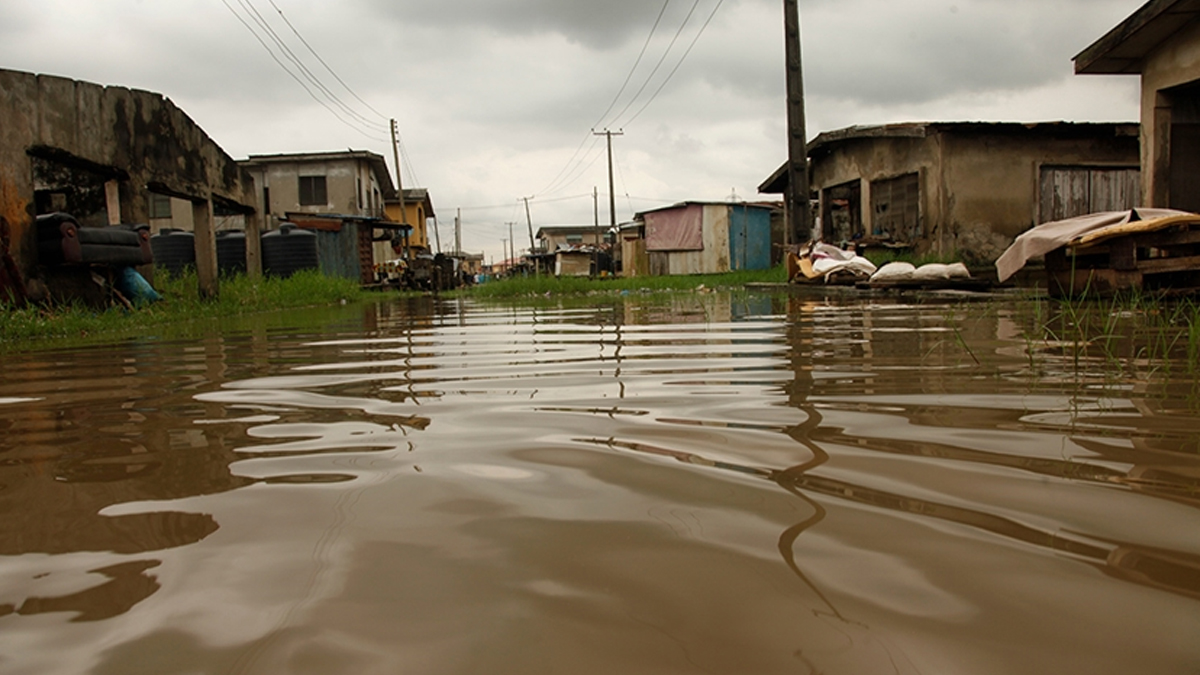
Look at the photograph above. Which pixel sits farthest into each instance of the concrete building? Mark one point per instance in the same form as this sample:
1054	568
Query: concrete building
1161	43
101	154
417	211
698	238
352	182
550	239
968	187
339	195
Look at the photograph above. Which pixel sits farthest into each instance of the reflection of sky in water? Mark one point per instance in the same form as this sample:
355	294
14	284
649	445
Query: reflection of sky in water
805	486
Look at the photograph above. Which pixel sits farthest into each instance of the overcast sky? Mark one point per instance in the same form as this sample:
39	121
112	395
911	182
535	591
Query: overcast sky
496	100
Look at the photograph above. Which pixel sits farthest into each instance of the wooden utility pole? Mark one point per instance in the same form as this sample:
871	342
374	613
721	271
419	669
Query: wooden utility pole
799	217
399	186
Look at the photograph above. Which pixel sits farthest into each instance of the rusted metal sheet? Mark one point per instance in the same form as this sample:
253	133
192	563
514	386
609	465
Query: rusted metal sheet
679	229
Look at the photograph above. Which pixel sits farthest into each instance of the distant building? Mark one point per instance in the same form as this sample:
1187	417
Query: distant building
969	187
418	210
550	239
1160	42
340	195
351	182
698	238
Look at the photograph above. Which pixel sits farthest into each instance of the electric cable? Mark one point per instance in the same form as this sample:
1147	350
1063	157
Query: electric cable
295	77
677	65
322	61
258	18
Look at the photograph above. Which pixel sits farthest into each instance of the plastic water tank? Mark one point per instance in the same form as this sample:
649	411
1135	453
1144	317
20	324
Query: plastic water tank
174	250
288	250
231	252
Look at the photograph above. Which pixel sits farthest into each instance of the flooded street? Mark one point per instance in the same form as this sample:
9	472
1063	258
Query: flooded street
701	483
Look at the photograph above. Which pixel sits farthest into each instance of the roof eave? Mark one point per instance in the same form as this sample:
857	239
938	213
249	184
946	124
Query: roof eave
1123	49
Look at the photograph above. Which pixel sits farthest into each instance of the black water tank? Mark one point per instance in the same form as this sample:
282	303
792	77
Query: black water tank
174	250
231	252
288	250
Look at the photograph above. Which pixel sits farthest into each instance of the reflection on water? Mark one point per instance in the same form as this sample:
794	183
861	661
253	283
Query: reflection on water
701	483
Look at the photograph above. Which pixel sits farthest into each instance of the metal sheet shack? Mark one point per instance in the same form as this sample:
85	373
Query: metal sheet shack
701	238
966	187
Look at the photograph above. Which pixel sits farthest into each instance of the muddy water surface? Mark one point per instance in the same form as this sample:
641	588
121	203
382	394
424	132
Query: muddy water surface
698	484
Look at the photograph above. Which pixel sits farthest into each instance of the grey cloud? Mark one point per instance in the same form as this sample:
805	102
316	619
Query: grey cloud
598	25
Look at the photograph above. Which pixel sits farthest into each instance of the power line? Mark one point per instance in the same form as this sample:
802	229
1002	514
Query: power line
635	65
318	57
661	59
308	74
677	65
352	123
570	166
567	175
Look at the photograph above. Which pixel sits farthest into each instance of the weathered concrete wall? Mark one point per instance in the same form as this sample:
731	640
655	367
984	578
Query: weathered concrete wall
994	182
872	159
139	139
979	184
1176	62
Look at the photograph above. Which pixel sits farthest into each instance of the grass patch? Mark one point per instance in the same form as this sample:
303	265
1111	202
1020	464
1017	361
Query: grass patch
1126	334
548	285
181	303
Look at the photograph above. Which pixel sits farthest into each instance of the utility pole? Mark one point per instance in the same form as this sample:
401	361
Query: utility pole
612	195
599	237
458	233
512	244
532	247
799	217
437	237
399	186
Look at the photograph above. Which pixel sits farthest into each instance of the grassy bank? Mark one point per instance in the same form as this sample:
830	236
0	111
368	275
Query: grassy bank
548	285
180	304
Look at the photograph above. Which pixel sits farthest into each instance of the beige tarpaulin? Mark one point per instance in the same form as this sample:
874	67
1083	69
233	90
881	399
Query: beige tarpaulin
1092	227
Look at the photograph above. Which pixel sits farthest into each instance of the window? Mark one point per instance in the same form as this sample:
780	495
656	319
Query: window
574	239
312	191
160	206
896	206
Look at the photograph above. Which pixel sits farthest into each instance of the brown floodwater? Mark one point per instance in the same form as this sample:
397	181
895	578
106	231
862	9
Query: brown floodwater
698	483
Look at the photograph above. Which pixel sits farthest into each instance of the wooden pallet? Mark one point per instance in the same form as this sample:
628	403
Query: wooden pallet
1161	260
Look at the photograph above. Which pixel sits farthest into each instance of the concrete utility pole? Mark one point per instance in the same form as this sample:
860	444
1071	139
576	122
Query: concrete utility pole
512	243
437	237
612	195
399	187
458	233
799	217
599	236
